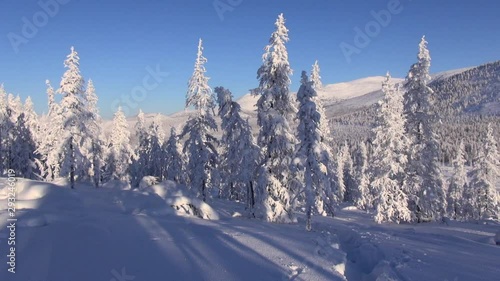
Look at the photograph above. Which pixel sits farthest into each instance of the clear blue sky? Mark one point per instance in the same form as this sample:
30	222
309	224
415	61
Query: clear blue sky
118	40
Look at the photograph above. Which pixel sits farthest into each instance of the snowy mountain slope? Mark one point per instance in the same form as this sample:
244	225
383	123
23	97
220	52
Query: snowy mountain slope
114	234
466	90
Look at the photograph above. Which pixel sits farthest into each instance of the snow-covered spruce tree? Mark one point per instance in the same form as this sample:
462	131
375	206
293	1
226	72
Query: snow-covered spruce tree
425	181
241	156
93	141
120	153
52	105
31	119
340	188
313	153
49	164
351	189
200	145
315	77
23	149
140	162
4	120
175	166
74	115
275	113
484	177
157	156
389	158
364	198
457	186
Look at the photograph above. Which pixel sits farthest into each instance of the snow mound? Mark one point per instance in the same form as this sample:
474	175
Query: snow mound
192	207
147	181
178	197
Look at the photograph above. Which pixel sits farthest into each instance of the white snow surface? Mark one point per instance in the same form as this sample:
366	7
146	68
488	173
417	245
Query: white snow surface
112	234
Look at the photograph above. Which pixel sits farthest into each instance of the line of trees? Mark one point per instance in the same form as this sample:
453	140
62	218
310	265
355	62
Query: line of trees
291	164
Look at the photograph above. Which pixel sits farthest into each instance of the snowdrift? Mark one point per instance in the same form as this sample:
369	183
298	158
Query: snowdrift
179	198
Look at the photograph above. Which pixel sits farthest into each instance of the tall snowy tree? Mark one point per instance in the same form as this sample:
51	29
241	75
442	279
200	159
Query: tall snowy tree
93	140
4	120
175	166
315	77
157	156
313	152
425	180
484	177
140	162
457	186
389	158
200	144
23	149
73	112
275	113
51	99
349	174
199	94
120	154
31	118
364	198
49	164
341	189
241	155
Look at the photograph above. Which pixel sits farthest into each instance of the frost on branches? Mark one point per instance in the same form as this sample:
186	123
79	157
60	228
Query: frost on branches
389	158
457	186
240	156
313	153
275	112
485	174
120	153
201	145
426	186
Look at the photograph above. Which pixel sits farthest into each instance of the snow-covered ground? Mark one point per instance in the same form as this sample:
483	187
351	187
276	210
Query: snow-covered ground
114	235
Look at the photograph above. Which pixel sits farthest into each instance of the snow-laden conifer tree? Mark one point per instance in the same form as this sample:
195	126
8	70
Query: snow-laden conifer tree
484	177
457	186
23	149
427	198
51	99
3	129
241	155
315	77
200	145
93	140
364	198
157	156
49	164
199	94
389	158
313	153
120	153
275	113
175	164
341	189
351	189
141	156
31	118
74	114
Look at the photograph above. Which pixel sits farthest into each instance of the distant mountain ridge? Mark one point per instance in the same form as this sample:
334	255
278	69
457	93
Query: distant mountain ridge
472	90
